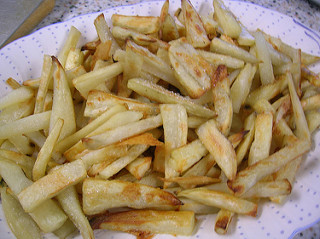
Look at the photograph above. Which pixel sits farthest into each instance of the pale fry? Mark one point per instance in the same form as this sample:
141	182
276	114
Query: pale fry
221	200
162	95
40	166
47	187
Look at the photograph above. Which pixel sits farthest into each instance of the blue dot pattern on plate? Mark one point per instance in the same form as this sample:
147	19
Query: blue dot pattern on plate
22	60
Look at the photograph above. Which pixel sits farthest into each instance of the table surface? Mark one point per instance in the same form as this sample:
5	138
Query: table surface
302	10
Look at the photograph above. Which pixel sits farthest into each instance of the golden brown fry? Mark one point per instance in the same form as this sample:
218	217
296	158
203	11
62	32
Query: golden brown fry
100	195
146	222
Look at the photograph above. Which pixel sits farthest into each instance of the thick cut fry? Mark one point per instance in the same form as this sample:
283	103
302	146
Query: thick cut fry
142	24
25	125
62	105
45	153
69	201
90	80
260	147
144	222
195	32
162	95
16	96
220	46
51	184
122	132
175	129
221	200
248	177
20	222
226	19
220	148
101	195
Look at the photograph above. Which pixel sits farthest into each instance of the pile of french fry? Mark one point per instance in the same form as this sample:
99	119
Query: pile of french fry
158	120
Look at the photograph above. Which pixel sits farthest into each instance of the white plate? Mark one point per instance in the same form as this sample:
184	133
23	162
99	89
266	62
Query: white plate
22	60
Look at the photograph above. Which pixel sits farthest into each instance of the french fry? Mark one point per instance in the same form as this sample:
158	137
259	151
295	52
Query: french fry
220	200
222	100
219	59
71	42
222	221
261	144
248	177
302	130
16	96
25	125
195	32
169	29
49	216
65	230
175	135
265	67
62	105
26	163
276	188
100	195
192	71
70	140
267	92
226	19
47	187
45	80
20	222
98	102
220	46
241	86
104	33
142	24
150	221
182	158
219	146
69	201
44	155
139	166
122	132
160	94
90	80
113	168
